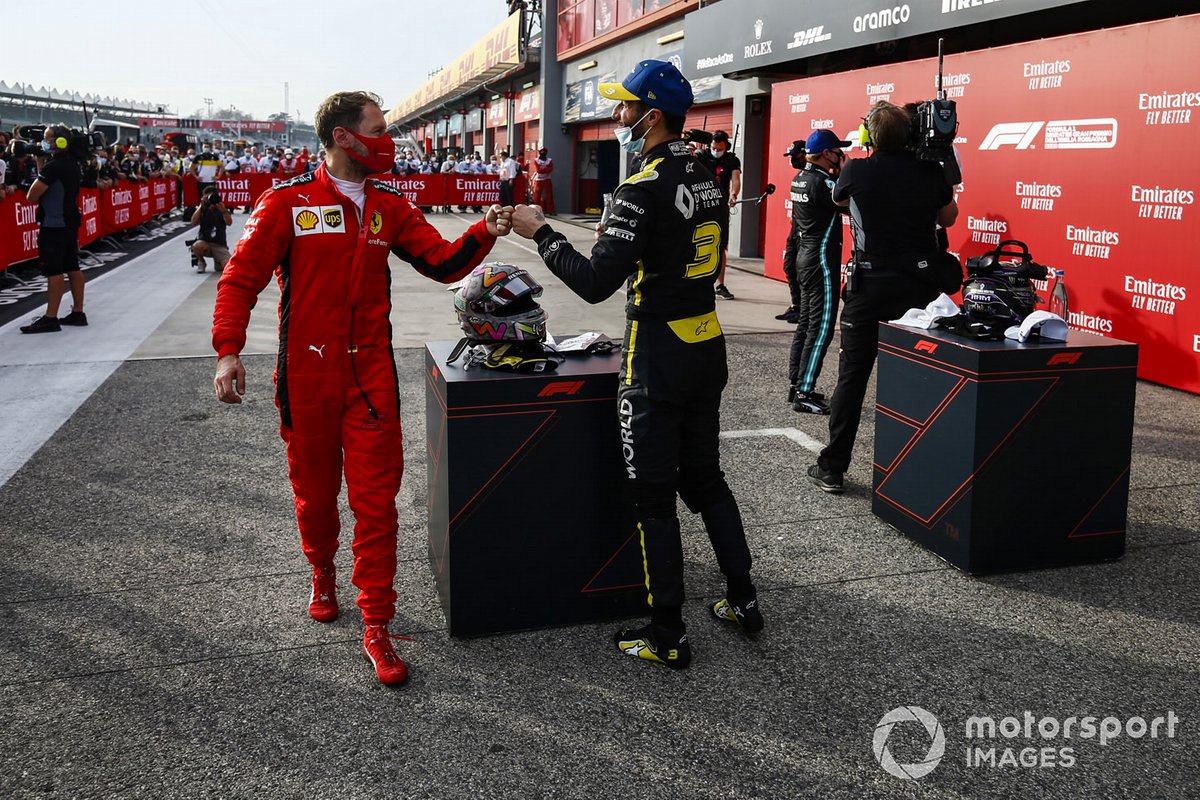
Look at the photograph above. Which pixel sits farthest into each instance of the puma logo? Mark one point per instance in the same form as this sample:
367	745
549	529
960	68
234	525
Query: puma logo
304	197
318	350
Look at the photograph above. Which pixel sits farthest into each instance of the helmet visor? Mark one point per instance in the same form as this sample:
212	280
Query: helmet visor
512	290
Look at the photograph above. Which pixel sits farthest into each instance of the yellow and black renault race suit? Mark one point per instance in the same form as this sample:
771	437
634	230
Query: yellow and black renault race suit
663	240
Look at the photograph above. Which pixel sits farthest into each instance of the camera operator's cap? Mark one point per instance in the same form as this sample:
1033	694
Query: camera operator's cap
796	148
658	84
823	139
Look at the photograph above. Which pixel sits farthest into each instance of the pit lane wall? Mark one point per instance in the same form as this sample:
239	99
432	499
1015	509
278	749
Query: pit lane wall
1081	146
104	211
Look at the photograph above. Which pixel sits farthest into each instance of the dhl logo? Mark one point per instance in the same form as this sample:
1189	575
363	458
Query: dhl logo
1063	358
926	346
307	220
560	387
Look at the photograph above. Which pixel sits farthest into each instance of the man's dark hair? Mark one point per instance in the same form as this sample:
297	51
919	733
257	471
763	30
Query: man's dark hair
210	190
342	110
720	136
889	127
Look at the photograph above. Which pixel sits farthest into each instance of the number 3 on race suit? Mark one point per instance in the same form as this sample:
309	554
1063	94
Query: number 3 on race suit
707	239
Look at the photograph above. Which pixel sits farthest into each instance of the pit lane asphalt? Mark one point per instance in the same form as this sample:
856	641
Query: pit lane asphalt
153	639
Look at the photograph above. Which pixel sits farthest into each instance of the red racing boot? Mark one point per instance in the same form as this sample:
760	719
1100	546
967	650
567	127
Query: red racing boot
322	604
377	649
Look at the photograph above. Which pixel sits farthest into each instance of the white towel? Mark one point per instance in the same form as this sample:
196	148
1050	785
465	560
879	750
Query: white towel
941	308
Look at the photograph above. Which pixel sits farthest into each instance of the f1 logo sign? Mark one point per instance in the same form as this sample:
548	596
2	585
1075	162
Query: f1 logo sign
926	346
560	387
1063	358
1015	133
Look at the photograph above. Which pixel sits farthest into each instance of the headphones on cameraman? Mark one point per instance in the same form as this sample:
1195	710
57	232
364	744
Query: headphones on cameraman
864	135
60	141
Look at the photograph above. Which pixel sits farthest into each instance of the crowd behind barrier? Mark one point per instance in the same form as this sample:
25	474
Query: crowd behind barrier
127	204
431	190
121	207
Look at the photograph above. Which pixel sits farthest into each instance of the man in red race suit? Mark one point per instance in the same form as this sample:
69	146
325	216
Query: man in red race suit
326	235
543	184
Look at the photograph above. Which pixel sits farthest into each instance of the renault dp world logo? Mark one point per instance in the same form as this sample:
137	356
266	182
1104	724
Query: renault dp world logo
909	720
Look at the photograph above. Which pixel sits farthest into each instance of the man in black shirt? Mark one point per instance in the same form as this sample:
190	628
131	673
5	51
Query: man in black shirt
728	169
813	259
896	203
213	217
55	192
663	239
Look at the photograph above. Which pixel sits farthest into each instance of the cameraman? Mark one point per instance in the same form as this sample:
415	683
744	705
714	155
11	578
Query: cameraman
55	191
212	216
895	202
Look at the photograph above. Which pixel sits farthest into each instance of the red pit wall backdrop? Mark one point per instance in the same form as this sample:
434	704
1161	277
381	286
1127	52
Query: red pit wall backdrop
1077	146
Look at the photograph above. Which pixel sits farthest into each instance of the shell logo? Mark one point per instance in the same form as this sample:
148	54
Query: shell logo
376	222
307	220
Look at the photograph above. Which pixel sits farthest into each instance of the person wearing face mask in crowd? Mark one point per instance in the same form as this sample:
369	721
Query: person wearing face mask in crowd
330	234
728	169
812	262
207	168
131	165
674	368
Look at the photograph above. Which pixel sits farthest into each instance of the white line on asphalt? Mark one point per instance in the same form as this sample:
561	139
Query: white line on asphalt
798	436
47	377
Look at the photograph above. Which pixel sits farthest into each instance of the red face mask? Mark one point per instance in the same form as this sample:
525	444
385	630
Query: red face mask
381	152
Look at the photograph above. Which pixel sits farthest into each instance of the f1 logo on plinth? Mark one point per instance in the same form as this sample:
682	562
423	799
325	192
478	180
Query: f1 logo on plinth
1063	358
926	346
560	387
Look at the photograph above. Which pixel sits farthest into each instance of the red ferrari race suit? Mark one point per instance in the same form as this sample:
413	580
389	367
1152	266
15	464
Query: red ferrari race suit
335	377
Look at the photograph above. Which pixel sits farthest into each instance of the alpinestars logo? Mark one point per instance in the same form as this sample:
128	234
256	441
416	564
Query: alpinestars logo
809	36
1064	134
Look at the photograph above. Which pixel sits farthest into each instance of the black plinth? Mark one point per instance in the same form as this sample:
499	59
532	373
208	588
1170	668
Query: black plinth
529	525
1005	456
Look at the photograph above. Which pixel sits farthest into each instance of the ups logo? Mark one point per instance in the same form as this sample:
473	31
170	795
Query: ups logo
333	217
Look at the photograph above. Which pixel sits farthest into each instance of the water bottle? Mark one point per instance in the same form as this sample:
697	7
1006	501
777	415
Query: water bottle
1058	296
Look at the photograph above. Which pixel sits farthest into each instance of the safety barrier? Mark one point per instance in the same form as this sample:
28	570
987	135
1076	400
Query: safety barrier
104	211
423	190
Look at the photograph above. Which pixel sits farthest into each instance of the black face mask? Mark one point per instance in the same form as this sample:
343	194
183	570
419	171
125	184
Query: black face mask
798	162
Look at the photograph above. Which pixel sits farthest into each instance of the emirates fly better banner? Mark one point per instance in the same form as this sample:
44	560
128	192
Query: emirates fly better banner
1080	146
